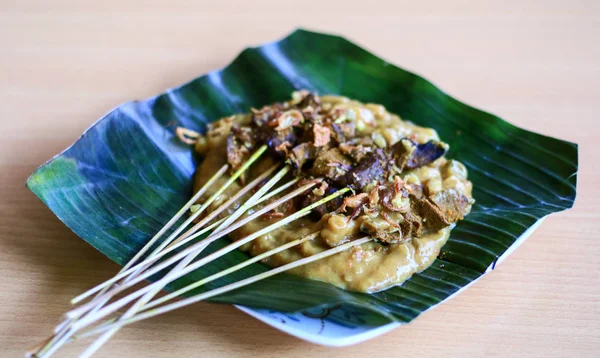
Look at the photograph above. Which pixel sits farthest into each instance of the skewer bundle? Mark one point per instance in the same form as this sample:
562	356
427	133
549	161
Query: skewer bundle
96	311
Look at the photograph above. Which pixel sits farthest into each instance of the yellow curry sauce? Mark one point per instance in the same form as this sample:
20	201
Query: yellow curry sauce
372	266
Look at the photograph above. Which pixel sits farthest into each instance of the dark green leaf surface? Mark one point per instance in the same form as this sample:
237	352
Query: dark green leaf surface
128	175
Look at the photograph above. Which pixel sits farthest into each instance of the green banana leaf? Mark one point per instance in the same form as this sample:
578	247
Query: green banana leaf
128	174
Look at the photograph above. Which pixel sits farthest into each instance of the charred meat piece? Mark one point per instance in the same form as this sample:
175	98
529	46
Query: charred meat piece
341	132
243	134
220	129
403	151
237	153
317	194
411	155
279	137
370	169
412	225
239	144
332	164
301	154
335	203
337	134
443	208
348	129
383	230
357	148
391	227
356	152
261	117
316	134
452	203
278	141
427	153
310	100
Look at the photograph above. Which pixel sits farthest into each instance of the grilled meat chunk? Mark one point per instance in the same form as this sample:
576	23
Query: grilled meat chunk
331	164
411	155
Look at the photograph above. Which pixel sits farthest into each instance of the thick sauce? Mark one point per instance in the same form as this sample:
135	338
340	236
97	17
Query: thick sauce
367	268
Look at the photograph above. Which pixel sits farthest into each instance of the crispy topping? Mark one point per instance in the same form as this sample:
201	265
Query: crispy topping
320	191
322	135
354	201
287	120
187	136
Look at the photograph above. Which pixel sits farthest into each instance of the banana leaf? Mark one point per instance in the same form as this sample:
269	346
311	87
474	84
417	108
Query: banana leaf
128	174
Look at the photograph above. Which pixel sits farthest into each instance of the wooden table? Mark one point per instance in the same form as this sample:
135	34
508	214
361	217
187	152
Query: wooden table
535	63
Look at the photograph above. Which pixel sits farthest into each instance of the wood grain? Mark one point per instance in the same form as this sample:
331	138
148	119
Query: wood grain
64	63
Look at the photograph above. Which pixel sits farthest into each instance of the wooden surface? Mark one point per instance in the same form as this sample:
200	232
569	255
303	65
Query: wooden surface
535	63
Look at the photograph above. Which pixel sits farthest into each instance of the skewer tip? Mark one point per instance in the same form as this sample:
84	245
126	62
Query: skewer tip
71	315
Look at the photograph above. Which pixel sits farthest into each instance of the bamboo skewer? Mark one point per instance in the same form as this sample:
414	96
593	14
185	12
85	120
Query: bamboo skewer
207	219
182	266
101	300
190	249
182	269
230	181
63	326
230	201
176	244
224	289
172	243
185	261
220	274
170	246
178	270
218	222
228	271
125	300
